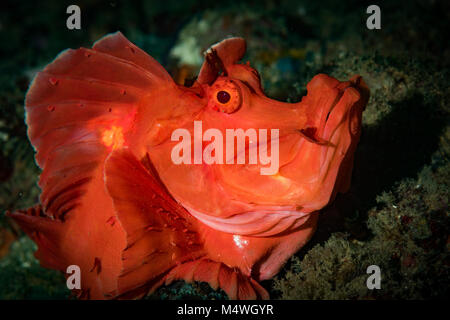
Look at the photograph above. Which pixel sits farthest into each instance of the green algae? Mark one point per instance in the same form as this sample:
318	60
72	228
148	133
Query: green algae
409	243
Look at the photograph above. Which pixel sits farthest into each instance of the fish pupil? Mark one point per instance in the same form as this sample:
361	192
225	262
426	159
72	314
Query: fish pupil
223	96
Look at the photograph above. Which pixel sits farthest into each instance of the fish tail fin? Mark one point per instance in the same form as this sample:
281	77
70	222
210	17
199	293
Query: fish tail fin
236	285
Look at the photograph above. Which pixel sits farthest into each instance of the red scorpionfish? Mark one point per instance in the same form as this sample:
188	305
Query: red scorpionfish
115	204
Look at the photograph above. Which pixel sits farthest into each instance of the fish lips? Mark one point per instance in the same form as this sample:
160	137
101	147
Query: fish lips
349	101
341	132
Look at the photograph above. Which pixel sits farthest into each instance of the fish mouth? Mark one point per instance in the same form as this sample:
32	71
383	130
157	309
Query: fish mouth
340	133
323	161
349	103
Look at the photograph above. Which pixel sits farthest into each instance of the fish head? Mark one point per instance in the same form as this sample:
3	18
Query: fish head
295	156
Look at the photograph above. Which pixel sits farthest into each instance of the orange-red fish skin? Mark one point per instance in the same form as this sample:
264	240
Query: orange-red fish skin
114	204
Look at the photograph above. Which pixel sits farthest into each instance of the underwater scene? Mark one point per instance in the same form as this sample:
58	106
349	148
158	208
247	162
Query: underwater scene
213	150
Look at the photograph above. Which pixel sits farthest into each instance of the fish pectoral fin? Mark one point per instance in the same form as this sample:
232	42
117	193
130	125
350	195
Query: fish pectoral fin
45	232
160	233
235	284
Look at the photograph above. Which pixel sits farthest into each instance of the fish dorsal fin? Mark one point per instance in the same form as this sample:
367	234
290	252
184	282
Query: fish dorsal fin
117	45
81	105
78	110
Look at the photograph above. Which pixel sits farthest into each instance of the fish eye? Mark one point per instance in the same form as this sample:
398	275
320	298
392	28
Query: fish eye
225	95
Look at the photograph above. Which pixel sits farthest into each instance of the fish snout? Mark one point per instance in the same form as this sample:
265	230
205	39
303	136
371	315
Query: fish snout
333	105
